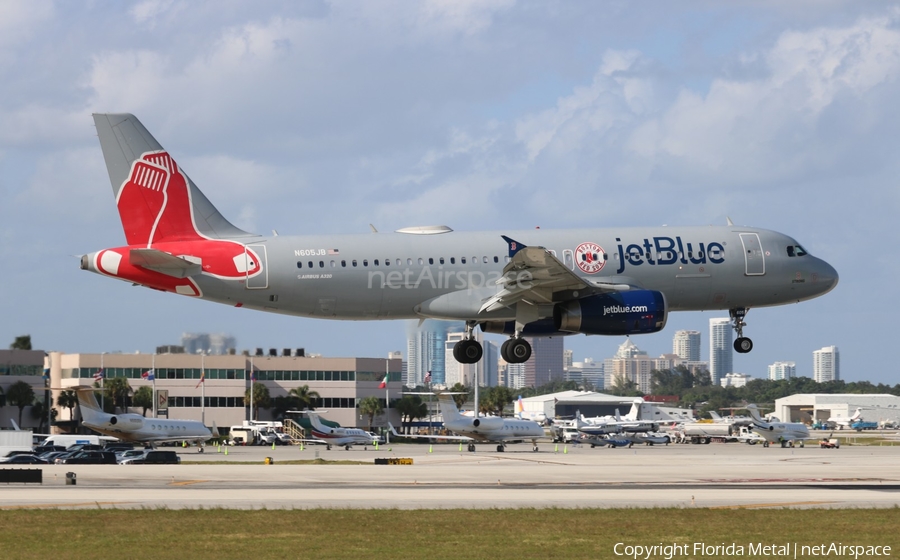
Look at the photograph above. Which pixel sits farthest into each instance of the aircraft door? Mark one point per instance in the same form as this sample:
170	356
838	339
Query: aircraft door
754	260
256	280
569	259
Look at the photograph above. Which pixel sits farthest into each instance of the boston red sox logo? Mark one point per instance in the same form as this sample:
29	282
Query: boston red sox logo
590	257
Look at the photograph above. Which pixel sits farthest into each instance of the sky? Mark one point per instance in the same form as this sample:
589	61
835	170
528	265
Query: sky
324	117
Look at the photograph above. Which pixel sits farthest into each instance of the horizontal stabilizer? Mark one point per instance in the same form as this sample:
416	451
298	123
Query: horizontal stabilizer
166	263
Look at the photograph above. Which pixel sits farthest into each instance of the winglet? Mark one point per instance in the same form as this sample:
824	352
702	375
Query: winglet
514	246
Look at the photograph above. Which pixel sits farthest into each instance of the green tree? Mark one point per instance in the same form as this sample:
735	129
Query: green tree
261	398
370	406
460	399
410	407
495	400
21	343
20	394
143	399
305	399
117	390
68	399
39	412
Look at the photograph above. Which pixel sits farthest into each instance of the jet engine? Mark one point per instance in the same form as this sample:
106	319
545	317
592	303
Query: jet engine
631	312
487	424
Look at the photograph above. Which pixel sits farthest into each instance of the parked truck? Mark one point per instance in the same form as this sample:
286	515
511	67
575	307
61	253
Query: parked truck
704	432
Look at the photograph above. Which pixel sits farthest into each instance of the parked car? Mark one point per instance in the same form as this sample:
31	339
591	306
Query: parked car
153	457
24	460
91	458
129	454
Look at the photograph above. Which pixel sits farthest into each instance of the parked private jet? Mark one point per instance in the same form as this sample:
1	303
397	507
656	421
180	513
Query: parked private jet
785	433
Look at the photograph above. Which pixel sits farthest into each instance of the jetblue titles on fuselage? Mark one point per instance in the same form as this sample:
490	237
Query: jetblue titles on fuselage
669	250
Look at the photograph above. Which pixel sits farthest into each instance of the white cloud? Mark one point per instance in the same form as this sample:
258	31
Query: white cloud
20	20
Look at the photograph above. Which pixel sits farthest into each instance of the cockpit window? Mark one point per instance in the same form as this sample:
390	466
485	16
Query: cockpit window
795	251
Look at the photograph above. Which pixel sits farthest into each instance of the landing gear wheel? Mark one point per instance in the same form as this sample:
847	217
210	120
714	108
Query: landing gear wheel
518	351
346	448
500	449
468	351
535	448
471	447
504	350
742	345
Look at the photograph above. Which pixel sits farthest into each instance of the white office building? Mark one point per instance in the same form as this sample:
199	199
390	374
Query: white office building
720	348
686	344
827	364
782	370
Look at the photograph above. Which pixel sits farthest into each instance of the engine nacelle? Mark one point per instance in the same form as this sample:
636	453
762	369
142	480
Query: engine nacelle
631	312
487	423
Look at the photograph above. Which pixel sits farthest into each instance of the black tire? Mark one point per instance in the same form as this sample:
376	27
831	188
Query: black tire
742	345
519	351
468	351
504	350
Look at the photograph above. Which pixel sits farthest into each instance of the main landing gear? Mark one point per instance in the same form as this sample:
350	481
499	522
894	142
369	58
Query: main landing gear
516	350
468	350
742	344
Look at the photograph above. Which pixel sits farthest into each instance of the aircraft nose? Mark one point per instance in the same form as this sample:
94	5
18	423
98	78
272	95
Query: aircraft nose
825	277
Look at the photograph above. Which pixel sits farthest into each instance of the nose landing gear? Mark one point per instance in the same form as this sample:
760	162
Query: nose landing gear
742	344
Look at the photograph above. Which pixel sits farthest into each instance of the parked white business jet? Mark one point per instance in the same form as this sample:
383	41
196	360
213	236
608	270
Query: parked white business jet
841	422
785	433
342	437
607	281
136	428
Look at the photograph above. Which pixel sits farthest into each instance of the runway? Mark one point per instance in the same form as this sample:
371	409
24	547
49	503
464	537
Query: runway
714	475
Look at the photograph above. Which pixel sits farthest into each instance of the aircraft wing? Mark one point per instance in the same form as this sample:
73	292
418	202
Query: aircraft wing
533	275
417	436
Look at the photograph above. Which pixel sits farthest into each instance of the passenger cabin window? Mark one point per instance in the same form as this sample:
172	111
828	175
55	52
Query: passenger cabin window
421	262
408	262
343	264
310	264
321	264
496	259
442	260
387	262
299	264
430	260
375	262
462	260
354	263
452	260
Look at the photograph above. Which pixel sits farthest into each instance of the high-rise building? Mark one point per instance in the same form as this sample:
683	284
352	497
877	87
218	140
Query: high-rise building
630	365
827	364
782	370
687	345
207	343
567	358
515	376
546	361
720	348
425	352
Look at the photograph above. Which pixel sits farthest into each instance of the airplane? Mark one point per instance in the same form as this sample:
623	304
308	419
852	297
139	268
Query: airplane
482	428
606	281
136	428
841	422
785	433
735	420
342	437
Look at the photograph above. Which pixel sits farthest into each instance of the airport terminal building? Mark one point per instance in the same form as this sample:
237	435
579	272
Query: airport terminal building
212	388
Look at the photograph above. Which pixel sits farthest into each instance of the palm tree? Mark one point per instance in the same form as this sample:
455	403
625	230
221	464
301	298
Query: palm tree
20	394
117	390
460	399
143	398
261	398
39	411
21	343
370	406
306	398
410	407
68	399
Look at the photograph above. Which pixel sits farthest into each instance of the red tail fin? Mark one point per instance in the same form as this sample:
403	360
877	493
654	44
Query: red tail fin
154	202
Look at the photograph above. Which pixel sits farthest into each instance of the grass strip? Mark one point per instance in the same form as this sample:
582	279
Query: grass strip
218	534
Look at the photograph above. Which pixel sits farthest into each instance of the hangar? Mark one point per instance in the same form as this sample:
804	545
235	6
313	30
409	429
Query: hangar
567	404
818	407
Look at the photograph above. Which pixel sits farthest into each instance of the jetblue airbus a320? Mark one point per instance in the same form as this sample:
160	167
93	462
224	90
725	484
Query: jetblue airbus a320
612	281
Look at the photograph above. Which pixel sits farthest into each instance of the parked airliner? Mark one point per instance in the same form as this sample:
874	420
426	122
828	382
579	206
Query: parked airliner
609	281
136	428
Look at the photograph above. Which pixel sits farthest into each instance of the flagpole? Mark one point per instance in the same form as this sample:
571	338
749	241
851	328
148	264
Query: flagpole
102	377
153	369
251	388
202	389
